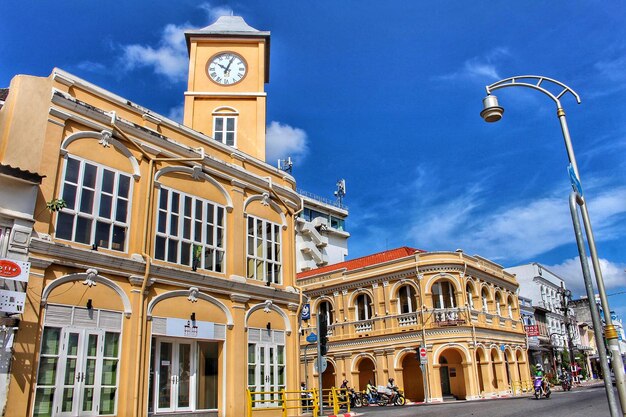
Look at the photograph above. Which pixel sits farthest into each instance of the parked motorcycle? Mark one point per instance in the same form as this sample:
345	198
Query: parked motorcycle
542	388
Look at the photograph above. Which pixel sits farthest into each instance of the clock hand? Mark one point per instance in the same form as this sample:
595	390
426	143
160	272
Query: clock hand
231	61
225	68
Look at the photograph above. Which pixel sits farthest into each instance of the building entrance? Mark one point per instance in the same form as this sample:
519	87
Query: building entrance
185	375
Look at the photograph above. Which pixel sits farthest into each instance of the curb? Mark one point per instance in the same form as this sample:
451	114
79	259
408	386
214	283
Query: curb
350	414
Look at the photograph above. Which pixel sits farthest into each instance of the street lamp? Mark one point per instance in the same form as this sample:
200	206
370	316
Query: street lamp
492	112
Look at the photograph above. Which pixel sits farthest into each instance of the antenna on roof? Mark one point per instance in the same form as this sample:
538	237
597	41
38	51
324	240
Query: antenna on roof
285	164
341	191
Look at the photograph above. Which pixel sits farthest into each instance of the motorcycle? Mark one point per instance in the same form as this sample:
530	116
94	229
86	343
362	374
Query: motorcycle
566	384
542	388
395	397
356	399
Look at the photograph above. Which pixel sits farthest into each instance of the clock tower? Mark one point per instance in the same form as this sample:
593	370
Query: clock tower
225	97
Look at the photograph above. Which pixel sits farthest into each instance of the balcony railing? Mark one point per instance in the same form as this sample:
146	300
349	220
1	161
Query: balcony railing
449	316
408	319
363	326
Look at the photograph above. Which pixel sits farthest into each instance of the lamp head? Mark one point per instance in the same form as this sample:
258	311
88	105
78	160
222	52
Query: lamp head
492	112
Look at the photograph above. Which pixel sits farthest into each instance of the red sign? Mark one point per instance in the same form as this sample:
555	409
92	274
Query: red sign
532	330
9	269
423	352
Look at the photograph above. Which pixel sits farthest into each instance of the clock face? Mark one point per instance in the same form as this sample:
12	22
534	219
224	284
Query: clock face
227	68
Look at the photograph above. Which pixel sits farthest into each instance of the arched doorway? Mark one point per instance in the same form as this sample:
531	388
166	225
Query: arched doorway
412	379
522	368
367	372
480	365
495	361
328	377
452	375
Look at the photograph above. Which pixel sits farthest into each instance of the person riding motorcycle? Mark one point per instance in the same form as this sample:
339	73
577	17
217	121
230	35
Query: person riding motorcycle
392	389
370	392
540	374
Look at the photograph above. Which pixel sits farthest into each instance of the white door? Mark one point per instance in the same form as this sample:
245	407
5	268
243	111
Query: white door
80	365
174	375
268	368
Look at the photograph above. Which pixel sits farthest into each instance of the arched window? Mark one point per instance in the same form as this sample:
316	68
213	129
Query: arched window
443	295
469	289
498	304
225	126
326	309
407	300
485	299
509	303
363	307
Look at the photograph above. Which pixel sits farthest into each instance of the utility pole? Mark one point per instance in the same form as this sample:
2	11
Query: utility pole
566	296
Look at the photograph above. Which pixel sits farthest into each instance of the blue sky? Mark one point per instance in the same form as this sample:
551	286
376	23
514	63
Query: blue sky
387	95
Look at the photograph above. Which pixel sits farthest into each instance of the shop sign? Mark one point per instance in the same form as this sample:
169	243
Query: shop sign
14	270
532	330
12	302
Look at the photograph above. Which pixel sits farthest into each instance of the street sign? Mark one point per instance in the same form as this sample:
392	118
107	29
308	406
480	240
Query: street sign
311	338
324	364
423	355
306	311
575	180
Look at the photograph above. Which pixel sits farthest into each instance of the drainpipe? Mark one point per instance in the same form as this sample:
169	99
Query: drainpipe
422	313
144	247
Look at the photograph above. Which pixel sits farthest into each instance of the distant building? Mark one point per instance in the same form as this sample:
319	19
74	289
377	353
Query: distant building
321	236
545	289
588	344
463	309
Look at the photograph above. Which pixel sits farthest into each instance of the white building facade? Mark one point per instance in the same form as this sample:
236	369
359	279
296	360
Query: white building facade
545	291
321	237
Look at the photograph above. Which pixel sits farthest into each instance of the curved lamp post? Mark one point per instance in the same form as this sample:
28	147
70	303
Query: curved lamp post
492	112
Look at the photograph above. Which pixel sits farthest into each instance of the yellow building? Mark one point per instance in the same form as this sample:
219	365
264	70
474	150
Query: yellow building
381	307
162	278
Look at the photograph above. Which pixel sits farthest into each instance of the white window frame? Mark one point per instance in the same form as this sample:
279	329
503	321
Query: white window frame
225	117
262	242
94	217
265	369
78	379
5	235
438	290
367	307
411	295
485	300
180	217
328	312
470	297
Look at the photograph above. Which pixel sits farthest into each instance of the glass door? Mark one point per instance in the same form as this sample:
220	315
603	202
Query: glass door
173	376
268	369
79	365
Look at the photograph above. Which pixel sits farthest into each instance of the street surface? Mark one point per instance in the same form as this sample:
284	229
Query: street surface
580	402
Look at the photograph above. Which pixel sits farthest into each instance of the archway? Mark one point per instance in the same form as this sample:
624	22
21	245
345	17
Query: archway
521	366
412	379
328	377
452	375
480	364
496	378
367	372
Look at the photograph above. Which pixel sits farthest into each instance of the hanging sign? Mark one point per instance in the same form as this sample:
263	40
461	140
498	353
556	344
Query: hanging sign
14	270
306	311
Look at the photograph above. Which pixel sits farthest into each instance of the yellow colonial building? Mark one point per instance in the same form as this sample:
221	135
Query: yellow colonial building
162	257
380	308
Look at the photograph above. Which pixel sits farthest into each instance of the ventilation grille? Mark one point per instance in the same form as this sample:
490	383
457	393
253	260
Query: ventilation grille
60	315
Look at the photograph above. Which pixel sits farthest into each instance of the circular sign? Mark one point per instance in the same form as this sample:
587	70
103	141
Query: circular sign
9	269
324	364
423	352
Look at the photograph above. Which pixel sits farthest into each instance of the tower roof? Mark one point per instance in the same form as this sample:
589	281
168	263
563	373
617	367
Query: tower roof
232	27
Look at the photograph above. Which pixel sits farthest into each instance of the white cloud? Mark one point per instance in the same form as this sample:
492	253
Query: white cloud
169	56
283	141
177	113
484	66
91	66
613	274
474	221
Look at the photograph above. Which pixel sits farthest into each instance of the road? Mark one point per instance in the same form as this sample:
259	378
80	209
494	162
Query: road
580	402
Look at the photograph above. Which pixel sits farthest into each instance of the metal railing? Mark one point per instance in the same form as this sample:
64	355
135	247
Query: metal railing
305	401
